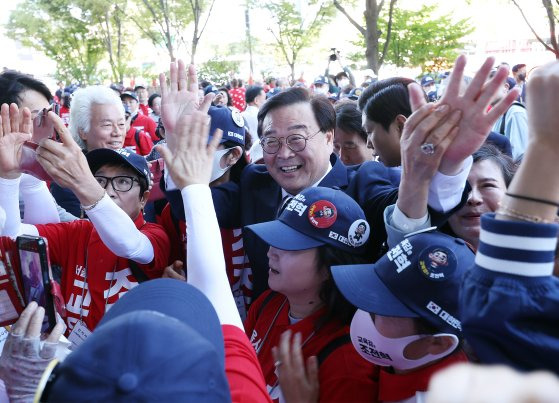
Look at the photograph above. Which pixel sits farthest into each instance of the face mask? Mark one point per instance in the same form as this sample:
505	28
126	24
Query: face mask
343	83
522	76
321	90
217	170
386	351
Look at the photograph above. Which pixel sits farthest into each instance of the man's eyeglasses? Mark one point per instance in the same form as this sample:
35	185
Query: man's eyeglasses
119	183
295	142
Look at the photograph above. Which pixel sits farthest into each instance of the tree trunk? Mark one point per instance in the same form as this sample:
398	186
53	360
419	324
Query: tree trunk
292	66
372	36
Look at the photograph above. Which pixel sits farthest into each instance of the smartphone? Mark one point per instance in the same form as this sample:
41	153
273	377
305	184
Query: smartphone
36	276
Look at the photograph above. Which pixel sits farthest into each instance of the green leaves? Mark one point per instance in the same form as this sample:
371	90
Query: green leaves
59	30
296	26
420	37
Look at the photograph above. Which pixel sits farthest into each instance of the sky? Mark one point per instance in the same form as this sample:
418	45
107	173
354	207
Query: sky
499	30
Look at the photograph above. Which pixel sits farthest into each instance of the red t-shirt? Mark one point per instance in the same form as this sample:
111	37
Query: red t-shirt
244	374
238	98
146	124
396	387
144	109
145	146
237	265
108	276
343	375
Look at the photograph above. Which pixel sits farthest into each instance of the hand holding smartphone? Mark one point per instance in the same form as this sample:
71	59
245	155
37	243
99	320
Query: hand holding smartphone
37	276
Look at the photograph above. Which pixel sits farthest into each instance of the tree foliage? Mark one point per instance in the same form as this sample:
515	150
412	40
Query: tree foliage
110	20
163	22
293	28
58	30
218	71
371	33
421	40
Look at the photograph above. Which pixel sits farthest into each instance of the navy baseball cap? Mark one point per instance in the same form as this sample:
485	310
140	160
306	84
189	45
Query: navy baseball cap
317	216
162	341
102	156
210	88
130	94
230	122
427	80
418	278
355	93
321	80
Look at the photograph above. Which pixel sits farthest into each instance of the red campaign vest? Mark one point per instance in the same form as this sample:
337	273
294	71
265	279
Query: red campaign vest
343	376
146	124
108	277
145	144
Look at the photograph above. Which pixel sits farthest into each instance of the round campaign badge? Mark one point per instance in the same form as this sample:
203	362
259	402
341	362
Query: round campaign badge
437	263
358	233
237	118
322	214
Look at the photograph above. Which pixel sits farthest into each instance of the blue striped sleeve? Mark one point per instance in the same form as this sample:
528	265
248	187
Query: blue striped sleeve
519	248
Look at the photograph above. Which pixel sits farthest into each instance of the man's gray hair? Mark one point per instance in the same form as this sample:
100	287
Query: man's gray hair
80	111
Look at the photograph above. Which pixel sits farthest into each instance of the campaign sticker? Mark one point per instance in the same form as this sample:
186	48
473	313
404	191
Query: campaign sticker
358	233
237	118
437	263
322	214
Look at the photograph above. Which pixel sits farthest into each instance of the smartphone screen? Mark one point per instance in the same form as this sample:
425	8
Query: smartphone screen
35	275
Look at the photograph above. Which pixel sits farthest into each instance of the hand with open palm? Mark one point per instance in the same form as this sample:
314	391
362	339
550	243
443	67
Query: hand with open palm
15	128
180	97
476	120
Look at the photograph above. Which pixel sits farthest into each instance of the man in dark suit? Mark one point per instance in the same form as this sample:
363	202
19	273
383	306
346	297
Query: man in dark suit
297	135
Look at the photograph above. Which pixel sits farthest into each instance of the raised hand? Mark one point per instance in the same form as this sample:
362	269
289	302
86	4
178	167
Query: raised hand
180	97
15	128
476	121
299	382
67	165
189	161
431	124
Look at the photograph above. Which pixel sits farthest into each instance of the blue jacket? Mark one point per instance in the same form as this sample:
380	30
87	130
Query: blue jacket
510	299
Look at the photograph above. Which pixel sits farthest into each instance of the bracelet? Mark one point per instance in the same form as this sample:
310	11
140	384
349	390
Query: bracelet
551	203
92	206
509	212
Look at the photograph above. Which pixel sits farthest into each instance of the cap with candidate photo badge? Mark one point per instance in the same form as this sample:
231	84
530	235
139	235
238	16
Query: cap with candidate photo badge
418	278
230	122
317	216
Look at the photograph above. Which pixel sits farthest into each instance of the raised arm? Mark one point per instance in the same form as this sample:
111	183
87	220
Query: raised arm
512	282
15	129
189	164
67	165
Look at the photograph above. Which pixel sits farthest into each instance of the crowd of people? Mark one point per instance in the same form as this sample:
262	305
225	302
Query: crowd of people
290	244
